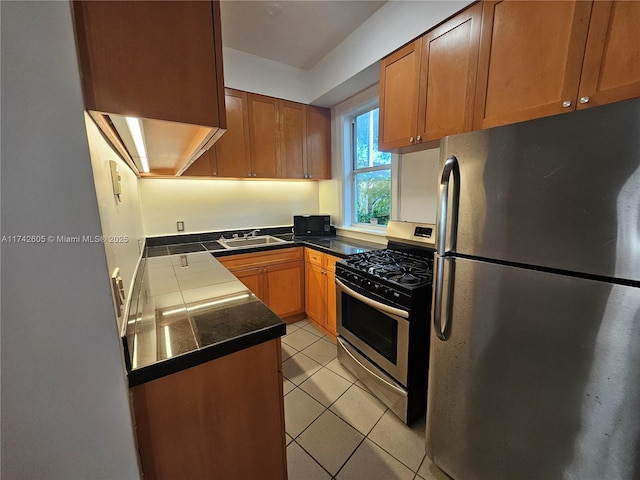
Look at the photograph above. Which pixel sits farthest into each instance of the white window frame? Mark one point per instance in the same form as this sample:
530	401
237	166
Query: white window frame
353	171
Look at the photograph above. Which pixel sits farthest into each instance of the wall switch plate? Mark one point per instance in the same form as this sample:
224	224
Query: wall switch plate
180	225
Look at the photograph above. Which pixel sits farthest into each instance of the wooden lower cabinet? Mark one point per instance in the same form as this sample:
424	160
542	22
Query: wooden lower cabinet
320	290
221	419
276	278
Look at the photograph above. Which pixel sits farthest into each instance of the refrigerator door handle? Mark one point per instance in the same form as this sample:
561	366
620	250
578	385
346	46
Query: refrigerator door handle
442	296
445	216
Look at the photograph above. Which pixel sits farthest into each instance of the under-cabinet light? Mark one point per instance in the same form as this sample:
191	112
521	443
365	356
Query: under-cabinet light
205	305
167	342
135	127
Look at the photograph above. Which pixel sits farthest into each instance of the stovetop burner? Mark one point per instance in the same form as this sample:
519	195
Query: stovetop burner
393	265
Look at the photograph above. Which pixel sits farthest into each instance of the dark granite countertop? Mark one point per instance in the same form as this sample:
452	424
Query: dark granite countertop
189	309
333	245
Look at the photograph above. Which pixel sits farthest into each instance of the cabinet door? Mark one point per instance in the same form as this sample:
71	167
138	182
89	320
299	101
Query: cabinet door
263	136
399	79
448	76
530	59
205	166
253	280
315	293
125	48
318	143
611	70
293	147
285	288
233	147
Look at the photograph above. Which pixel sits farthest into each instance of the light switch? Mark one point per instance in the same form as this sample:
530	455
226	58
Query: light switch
116	180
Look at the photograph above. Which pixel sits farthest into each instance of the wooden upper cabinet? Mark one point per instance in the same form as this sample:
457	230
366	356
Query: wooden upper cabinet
293	148
318	127
233	148
611	70
205	166
530	59
263	136
448	76
160	61
427	88
399	79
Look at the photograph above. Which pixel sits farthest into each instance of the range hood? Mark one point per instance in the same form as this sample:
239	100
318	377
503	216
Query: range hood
170	147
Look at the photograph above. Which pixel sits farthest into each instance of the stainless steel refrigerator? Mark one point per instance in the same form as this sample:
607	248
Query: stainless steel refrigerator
535	347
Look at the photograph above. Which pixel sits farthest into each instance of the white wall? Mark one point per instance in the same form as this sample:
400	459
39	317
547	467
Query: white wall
251	73
390	27
418	196
119	219
208	205
348	68
65	410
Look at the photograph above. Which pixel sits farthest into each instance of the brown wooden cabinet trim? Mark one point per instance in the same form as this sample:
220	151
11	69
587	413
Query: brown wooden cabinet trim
393	111
220	419
428	100
570	77
601	29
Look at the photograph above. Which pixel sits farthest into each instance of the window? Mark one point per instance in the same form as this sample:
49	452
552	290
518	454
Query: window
370	172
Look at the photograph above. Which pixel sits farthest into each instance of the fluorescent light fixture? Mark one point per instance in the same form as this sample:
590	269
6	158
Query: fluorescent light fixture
135	127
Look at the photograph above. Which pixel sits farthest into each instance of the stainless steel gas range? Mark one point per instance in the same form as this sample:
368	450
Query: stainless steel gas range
383	316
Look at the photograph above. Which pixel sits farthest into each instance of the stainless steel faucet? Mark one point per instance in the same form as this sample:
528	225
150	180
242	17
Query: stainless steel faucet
252	233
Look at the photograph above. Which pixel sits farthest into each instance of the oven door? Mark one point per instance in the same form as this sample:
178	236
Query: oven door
379	331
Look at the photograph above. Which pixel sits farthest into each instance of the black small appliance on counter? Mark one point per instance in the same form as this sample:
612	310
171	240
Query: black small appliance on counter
312	225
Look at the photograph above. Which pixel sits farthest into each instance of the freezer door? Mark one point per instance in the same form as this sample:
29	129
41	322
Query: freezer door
537	377
561	192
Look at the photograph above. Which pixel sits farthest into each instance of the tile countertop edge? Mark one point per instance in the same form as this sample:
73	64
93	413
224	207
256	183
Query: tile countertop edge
337	246
197	357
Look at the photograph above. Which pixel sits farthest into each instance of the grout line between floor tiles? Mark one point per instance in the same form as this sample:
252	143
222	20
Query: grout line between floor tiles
313	458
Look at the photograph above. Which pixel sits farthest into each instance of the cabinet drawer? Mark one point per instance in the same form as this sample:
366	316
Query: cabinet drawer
313	256
258	259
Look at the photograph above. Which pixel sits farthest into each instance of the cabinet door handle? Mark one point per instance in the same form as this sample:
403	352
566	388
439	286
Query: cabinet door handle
566	103
411	140
419	139
584	99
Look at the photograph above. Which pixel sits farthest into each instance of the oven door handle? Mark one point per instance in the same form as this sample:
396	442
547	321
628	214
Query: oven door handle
372	303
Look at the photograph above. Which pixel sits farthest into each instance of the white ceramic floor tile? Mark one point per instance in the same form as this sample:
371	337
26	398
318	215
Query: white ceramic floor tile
300	339
404	443
336	367
325	386
330	441
287	386
299	367
428	471
311	328
299	411
321	351
292	327
359	408
372	463
287	351
300	466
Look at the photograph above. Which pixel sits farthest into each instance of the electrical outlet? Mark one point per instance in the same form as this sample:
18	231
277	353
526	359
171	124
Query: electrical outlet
180	225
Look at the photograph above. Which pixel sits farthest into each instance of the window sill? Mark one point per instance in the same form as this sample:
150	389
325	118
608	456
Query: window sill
371	234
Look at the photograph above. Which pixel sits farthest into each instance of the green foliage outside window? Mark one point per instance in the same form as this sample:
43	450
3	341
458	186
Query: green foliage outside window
372	172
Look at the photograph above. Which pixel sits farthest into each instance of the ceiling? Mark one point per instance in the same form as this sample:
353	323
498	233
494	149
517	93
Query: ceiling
297	33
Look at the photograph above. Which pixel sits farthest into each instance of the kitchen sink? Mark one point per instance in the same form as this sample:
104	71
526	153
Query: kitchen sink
259	241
